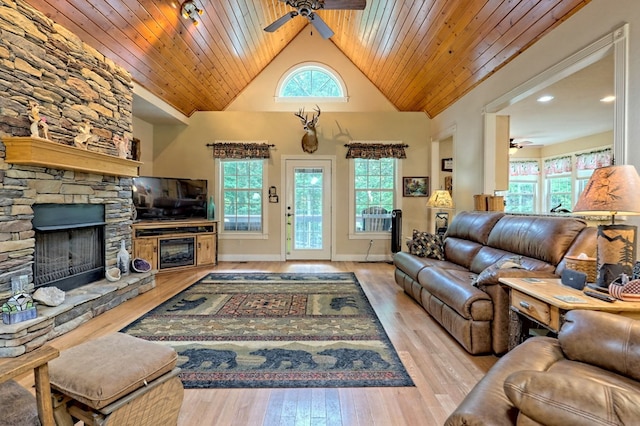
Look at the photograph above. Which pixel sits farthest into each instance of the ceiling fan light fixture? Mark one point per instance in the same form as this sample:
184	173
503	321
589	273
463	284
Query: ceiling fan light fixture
307	8
189	10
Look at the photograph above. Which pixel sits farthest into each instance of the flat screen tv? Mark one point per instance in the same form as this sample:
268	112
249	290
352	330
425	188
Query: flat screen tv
160	198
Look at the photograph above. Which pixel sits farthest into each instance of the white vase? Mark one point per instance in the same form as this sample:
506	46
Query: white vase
123	259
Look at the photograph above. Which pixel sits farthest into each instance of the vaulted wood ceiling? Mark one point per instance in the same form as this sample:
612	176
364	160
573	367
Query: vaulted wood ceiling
423	55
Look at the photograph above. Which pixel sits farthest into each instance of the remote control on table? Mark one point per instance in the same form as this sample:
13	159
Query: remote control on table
596	287
600	296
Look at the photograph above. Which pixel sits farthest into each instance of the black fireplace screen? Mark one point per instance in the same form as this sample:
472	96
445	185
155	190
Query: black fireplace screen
66	253
70	245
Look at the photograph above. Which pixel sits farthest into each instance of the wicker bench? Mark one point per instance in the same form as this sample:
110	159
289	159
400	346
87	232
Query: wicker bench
118	380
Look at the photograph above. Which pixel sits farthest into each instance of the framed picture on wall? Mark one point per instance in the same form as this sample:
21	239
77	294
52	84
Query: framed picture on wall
415	186
447	165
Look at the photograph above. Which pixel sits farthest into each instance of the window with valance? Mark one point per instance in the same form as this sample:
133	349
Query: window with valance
524	168
376	151
240	150
594	159
558	165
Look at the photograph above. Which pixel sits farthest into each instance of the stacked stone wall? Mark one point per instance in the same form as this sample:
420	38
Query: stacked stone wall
43	62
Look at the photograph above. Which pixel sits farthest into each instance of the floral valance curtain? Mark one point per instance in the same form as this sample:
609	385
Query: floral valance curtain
524	168
240	149
376	151
554	166
594	159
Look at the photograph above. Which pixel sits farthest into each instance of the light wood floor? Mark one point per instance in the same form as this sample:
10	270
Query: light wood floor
442	371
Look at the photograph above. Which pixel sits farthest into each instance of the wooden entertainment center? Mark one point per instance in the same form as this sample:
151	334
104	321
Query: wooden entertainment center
176	244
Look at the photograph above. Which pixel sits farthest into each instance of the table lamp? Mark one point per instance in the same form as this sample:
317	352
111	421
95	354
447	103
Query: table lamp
441	199
611	191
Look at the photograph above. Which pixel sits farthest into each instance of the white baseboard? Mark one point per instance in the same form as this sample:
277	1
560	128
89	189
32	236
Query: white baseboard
277	258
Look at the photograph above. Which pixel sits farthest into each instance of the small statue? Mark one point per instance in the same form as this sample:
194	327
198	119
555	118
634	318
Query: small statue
84	137
37	122
123	145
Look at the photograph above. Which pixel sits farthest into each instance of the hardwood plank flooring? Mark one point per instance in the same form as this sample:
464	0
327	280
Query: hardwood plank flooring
442	371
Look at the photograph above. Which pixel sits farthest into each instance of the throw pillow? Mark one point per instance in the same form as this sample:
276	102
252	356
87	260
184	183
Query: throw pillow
426	244
491	271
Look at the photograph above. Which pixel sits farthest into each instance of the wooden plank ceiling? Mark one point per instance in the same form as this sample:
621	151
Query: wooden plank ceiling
423	55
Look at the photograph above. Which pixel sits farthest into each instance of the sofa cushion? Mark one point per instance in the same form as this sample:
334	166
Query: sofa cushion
473	226
426	244
453	287
101	371
461	252
595	338
564	399
488	256
544	238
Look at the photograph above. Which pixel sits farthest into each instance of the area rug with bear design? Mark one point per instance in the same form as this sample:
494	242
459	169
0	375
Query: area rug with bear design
274	330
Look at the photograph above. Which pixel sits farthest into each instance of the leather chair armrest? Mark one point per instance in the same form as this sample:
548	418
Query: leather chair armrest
564	399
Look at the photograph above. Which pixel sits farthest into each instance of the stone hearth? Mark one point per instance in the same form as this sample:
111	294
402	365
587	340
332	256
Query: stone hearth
80	305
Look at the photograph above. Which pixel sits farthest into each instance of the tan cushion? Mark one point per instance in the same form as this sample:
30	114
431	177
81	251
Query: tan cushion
101	371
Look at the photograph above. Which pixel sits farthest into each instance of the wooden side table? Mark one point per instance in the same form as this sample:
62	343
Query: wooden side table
545	302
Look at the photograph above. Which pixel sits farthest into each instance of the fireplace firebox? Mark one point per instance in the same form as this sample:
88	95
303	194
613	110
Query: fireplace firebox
177	252
70	244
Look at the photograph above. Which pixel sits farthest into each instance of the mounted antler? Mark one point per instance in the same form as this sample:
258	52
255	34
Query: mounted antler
310	139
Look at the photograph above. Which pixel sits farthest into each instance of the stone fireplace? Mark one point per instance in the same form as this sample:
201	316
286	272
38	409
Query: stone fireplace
36	190
74	86
64	227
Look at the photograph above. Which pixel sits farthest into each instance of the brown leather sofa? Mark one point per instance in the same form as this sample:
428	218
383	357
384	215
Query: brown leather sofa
589	375
477	316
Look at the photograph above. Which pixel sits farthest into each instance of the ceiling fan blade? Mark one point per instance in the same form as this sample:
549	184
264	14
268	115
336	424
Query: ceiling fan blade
344	4
320	25
280	22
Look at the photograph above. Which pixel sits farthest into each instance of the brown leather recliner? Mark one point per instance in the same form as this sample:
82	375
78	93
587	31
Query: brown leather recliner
590	374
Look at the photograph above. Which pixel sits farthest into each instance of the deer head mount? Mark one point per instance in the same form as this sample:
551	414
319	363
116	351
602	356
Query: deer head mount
310	139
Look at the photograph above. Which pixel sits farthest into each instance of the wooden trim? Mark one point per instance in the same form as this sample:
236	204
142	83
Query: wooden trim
45	153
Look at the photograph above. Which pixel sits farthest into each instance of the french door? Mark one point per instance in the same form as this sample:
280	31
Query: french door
308	209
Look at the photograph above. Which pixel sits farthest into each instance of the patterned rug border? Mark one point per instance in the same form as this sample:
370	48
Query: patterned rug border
394	375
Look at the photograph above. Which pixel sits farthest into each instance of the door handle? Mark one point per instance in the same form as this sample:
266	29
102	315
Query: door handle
289	214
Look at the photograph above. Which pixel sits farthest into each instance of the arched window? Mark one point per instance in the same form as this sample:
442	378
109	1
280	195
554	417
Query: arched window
311	81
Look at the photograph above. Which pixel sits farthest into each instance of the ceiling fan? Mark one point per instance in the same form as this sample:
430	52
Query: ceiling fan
519	145
307	8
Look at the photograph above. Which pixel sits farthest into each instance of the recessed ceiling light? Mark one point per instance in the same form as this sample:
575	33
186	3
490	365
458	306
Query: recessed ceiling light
545	98
608	99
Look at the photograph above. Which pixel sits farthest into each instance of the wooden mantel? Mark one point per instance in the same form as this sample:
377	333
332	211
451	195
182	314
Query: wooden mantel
40	152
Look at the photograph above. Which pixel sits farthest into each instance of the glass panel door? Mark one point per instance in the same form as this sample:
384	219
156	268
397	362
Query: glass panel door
308	209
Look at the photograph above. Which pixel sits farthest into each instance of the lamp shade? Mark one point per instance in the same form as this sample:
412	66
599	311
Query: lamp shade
610	191
440	199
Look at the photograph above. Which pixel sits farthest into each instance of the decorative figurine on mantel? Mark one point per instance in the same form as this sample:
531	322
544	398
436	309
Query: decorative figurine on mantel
84	137
123	145
37	121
